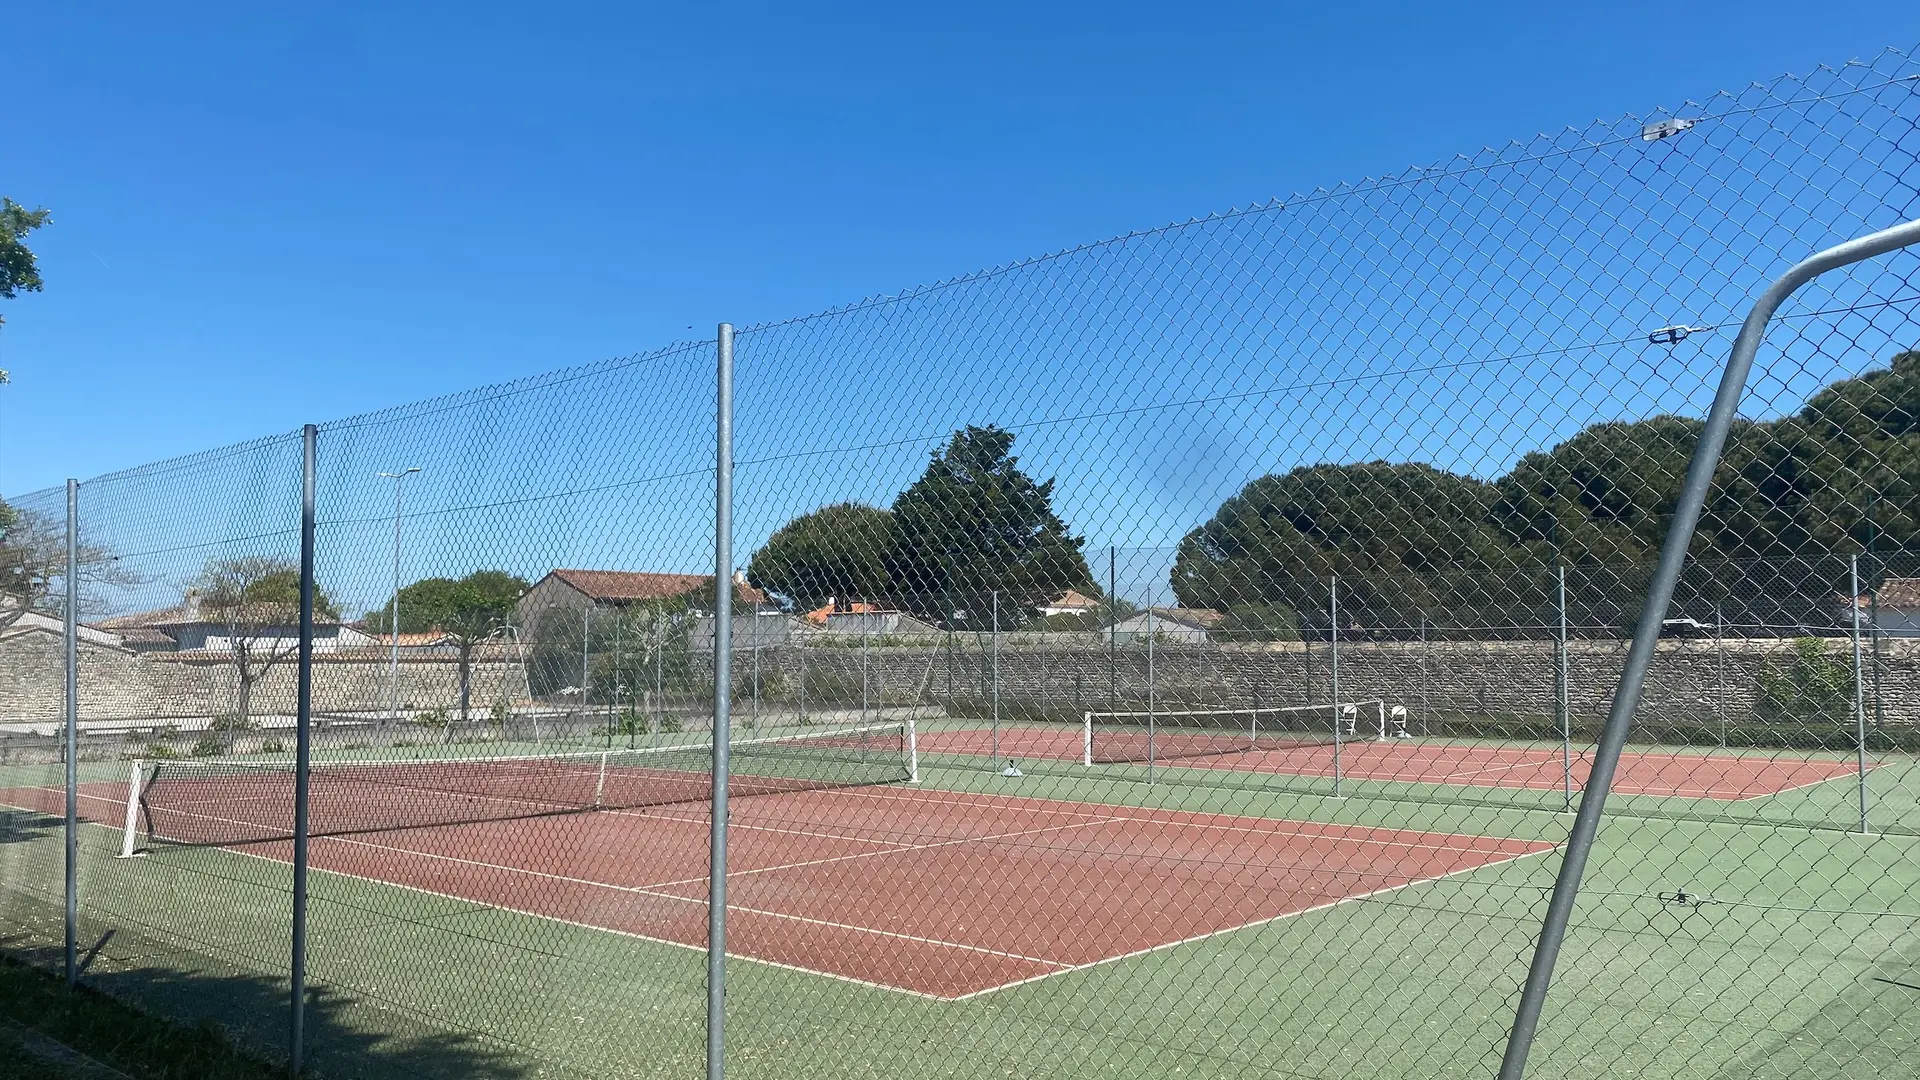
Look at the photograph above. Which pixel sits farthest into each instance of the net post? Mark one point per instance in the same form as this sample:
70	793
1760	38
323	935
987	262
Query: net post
132	830
722	694
71	647
600	781
303	743
1086	739
913	751
1859	694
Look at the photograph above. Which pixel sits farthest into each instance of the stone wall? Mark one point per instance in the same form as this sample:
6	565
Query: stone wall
120	686
1691	680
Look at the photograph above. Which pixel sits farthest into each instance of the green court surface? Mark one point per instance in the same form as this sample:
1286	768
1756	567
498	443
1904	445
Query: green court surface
1724	940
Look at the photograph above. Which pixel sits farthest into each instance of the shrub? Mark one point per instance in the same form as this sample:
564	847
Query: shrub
631	722
432	718
210	745
670	725
1259	622
159	751
273	746
1815	687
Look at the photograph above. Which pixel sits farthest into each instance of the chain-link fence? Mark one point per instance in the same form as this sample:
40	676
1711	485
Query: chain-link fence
1179	655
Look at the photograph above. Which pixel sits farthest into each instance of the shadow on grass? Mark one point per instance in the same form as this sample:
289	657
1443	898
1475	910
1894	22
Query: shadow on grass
345	1036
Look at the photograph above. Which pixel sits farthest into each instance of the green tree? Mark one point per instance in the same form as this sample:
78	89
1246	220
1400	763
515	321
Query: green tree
975	524
1403	538
255	599
1604	495
468	610
841	551
1258	622
19	270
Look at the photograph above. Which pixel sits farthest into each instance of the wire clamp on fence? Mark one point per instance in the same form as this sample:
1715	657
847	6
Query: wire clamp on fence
1674	335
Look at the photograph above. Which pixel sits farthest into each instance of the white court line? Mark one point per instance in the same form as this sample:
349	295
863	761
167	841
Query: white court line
1063	968
903	848
652	891
1244	926
1331	830
475	907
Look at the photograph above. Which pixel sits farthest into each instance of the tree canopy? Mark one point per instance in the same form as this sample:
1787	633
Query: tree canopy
467	609
19	270
975	523
257	591
972	525
33	558
1840	476
840	551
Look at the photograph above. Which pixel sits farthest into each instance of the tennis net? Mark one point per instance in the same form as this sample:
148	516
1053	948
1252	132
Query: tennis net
1167	734
236	801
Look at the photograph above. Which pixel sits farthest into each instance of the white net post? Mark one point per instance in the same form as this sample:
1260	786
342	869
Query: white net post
913	751
1086	740
132	830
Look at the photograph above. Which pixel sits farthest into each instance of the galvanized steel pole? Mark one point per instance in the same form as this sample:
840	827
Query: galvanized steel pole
1333	668
72	649
303	754
722	709
1859	694
1673	557
1562	697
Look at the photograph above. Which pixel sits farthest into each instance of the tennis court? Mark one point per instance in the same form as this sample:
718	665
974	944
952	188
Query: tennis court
938	894
1729	777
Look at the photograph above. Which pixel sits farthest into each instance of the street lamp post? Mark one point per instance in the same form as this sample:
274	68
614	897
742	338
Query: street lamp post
393	617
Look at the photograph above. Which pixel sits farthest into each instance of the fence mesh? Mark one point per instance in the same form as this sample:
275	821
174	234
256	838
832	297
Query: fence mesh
1407	446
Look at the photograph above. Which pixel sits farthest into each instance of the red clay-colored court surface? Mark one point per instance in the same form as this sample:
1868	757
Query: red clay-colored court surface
939	894
1692	776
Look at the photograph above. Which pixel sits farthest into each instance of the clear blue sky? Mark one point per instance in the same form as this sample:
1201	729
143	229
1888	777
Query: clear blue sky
270	214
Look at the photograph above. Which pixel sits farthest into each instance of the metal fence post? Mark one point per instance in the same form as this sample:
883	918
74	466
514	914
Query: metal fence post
995	676
1673	557
1720	670
303	755
722	707
1859	692
1426	723
1113	629
1561	677
71	646
1333	670
1152	693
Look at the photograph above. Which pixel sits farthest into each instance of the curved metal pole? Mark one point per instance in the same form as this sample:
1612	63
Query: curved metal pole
1673	557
